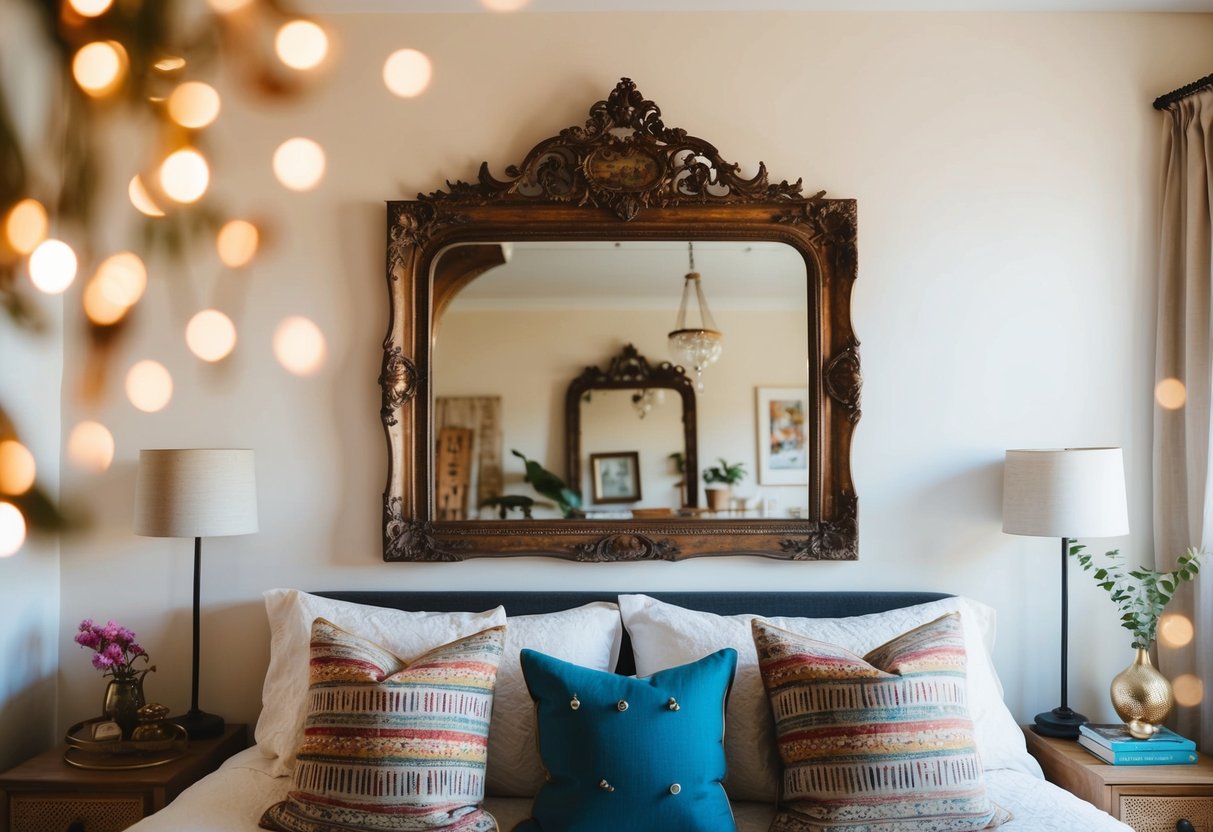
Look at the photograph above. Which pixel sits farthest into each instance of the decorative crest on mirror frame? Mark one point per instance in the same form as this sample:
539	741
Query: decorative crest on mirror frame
623	175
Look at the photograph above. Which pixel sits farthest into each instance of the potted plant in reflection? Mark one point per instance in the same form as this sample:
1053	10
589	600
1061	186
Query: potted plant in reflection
719	481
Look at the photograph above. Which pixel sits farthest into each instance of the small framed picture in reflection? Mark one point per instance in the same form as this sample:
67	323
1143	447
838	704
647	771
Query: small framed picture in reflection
615	477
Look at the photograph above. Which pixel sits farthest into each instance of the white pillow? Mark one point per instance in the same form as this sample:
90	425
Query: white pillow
588	636
291	613
664	635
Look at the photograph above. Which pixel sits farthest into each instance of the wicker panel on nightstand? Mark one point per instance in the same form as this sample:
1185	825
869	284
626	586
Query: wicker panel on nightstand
1146	813
55	813
45	794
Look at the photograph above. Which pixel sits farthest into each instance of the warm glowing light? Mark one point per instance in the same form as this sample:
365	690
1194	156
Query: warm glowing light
237	243
141	199
407	72
194	105
211	335
301	44
505	5
1188	689
184	175
123	278
149	386
12	529
299	164
17	468
1175	630
1171	394
99	308
299	346
52	266
228	6
91	8
99	67
91	446
171	64
26	225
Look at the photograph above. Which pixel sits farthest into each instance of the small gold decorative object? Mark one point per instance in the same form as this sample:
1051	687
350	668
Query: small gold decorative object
152	727
1142	696
574	703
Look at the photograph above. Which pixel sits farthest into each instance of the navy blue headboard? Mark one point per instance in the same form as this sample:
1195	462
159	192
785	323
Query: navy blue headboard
801	604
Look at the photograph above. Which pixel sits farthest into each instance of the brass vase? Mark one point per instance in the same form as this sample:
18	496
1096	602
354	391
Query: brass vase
123	699
1142	696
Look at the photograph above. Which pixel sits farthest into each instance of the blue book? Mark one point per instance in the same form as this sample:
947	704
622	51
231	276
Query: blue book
1152	756
1118	738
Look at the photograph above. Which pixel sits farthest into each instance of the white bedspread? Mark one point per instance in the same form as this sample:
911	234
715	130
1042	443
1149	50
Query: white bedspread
233	798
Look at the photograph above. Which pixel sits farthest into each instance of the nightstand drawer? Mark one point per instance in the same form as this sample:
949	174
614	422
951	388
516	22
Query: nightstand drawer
48	812
1146	813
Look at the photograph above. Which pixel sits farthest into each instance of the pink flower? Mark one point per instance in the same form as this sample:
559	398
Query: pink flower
114	646
87	638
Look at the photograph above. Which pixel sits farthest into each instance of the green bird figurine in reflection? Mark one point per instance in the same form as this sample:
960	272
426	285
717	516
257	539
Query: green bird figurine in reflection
550	485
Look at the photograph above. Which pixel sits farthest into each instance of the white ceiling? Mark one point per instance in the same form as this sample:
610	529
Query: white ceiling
416	6
639	275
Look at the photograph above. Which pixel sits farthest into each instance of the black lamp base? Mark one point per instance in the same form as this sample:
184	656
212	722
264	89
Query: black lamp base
199	724
1060	722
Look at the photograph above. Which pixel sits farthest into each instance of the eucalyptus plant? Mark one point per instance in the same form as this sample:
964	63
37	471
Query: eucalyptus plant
1140	594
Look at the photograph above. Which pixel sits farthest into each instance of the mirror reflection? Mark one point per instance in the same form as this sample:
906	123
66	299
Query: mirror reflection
508	345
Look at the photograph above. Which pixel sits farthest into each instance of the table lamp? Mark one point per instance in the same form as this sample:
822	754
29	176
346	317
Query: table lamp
196	493
1066	493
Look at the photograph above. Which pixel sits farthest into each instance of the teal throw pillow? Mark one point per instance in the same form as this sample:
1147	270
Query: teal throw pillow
645	755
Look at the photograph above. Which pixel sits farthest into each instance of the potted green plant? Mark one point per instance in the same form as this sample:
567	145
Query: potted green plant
1141	695
719	480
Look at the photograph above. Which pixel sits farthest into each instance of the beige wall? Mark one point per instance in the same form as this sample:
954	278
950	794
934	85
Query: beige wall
1004	166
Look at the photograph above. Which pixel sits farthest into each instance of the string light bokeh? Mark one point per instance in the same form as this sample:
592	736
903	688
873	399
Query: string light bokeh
132	54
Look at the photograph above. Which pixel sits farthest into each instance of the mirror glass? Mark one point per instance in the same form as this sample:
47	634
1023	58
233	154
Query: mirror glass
507	345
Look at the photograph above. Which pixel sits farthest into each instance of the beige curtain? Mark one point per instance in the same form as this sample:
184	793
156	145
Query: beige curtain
1183	494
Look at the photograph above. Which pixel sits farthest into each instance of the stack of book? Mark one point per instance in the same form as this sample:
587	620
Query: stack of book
1114	744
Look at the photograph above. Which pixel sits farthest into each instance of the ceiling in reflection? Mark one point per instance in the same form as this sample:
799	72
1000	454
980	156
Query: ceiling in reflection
639	275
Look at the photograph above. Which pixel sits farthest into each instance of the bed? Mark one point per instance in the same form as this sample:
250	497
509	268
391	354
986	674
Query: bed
233	798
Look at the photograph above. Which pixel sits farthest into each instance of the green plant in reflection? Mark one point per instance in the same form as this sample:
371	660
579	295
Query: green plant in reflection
550	486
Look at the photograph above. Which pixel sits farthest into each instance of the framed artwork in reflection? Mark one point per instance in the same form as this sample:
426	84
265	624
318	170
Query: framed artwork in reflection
615	477
783	428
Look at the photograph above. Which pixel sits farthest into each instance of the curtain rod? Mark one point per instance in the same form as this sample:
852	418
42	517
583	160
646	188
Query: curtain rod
1165	101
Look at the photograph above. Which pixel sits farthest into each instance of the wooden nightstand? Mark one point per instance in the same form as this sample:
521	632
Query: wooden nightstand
45	794
1148	798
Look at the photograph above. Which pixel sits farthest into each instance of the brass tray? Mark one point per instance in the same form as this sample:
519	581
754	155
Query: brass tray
84	752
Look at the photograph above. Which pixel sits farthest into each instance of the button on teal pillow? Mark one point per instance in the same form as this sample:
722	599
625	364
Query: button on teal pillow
631	754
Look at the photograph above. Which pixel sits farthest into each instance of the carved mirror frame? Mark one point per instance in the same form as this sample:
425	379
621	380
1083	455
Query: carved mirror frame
624	175
627	371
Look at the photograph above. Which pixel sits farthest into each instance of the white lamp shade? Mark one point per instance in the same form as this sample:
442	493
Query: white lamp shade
1071	492
195	493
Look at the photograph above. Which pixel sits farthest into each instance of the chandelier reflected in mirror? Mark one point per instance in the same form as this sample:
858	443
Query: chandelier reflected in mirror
695	347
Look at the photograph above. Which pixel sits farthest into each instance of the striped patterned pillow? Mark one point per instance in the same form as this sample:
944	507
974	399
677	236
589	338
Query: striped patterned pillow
390	744
882	743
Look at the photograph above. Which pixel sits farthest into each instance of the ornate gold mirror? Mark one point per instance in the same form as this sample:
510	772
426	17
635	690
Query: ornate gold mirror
480	325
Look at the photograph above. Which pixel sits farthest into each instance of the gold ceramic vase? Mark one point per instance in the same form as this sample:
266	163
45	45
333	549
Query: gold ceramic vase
1142	696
